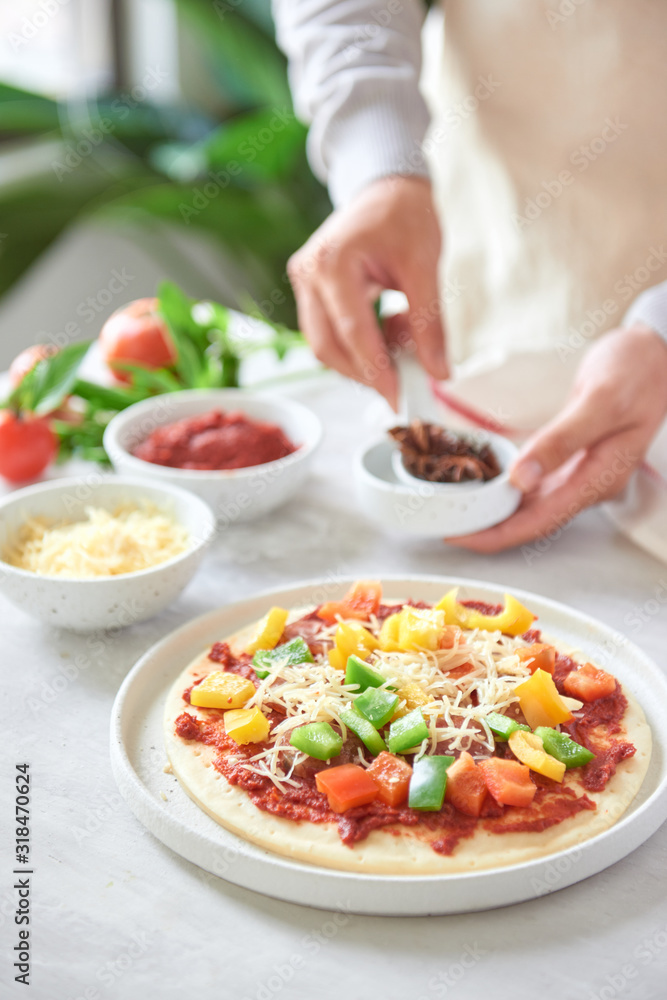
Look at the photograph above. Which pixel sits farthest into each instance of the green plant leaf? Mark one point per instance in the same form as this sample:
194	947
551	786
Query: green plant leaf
264	144
46	385
150	380
104	397
175	309
27	112
241	54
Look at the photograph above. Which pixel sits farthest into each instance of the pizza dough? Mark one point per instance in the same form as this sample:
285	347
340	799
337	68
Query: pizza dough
392	850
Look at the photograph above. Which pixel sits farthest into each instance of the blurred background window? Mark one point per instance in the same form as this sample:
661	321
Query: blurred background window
150	138
61	50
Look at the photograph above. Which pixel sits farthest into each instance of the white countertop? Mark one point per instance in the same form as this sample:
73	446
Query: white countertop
115	914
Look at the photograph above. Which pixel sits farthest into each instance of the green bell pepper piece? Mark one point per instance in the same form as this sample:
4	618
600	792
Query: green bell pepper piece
318	740
407	732
377	705
560	746
294	651
428	783
357	672
502	727
364	729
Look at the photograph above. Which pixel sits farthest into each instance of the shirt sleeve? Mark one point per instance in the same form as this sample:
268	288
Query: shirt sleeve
651	308
354	69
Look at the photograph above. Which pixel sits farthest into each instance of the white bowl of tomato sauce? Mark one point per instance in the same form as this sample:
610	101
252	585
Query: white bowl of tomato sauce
146	438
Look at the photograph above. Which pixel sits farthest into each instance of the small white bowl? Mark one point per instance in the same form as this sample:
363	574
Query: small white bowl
235	495
389	494
85	605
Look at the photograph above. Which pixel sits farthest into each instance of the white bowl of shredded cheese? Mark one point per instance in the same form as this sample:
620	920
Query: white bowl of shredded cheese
87	555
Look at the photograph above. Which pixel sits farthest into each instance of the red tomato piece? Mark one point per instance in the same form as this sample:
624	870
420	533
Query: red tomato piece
450	637
361	601
136	334
346	786
27	446
455	672
589	683
508	781
538	656
466	786
26	361
392	775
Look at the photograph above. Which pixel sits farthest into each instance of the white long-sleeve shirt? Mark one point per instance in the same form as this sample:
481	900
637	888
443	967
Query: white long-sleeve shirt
354	70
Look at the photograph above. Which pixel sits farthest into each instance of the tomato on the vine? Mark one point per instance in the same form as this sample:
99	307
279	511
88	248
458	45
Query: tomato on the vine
27	446
137	334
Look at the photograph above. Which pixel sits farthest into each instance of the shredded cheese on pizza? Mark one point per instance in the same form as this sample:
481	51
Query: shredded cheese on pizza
317	692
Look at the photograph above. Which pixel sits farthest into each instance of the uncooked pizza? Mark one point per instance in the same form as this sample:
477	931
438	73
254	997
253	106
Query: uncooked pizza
398	737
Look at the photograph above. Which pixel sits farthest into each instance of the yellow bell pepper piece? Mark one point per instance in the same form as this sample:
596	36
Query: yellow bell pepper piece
222	690
269	631
540	701
454	612
529	749
414	696
514	619
420	629
351	639
388	637
246	725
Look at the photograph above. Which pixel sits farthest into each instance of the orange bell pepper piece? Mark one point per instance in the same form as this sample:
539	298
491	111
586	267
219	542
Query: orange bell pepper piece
508	781
362	600
538	656
392	775
589	682
346	786
466	786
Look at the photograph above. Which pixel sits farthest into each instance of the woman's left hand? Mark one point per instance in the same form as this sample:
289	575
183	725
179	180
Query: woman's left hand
590	450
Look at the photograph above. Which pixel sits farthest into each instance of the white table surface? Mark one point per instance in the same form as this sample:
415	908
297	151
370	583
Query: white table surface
115	914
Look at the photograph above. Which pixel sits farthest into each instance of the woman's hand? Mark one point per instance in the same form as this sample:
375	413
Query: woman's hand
590	450
387	237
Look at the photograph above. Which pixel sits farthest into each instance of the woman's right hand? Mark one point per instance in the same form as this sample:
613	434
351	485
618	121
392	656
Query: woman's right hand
387	237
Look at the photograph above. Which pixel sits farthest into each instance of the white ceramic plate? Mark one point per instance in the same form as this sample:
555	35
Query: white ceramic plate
156	798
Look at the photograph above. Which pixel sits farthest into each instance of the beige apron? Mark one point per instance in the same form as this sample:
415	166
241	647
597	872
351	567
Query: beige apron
549	154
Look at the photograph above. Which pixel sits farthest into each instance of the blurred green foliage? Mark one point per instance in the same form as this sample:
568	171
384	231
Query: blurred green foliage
242	178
